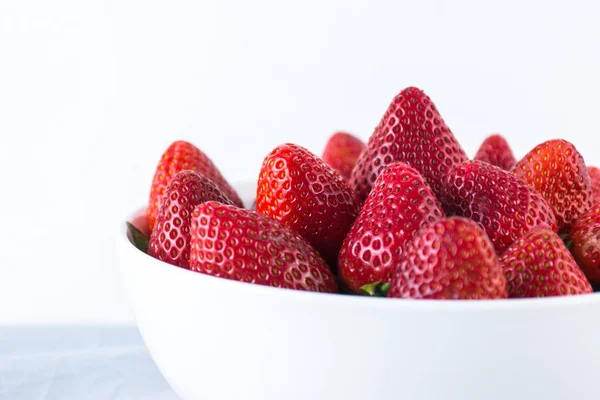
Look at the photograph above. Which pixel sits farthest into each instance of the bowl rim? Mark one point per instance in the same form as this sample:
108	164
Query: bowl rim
348	300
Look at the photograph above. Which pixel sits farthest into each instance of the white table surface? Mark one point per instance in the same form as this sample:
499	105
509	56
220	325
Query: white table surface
78	363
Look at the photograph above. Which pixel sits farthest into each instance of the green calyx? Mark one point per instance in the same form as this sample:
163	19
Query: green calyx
139	239
567	240
376	289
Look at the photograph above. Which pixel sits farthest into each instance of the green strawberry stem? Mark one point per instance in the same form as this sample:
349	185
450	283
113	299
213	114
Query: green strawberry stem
566	239
139	239
376	289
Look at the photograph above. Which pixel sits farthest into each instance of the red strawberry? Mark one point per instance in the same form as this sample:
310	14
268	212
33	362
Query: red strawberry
170	238
140	222
399	204
181	156
243	245
539	265
505	206
450	259
557	171
411	131
298	189
594	174
496	151
341	152
585	239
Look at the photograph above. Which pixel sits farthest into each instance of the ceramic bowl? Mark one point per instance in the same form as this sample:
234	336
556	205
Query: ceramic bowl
218	339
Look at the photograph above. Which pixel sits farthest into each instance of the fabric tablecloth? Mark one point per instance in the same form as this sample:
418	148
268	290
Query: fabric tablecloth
49	363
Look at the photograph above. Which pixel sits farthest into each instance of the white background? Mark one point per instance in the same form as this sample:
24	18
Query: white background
92	92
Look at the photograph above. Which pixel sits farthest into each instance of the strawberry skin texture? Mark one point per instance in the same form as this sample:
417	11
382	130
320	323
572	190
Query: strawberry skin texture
450	259
341	152
243	245
558	172
496	151
170	237
505	206
399	204
298	189
585	238
594	174
540	265
411	131
181	156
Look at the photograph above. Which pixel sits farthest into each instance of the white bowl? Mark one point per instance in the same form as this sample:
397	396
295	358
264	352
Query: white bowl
218	339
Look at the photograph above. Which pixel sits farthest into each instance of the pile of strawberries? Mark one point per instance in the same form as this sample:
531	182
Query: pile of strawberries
407	215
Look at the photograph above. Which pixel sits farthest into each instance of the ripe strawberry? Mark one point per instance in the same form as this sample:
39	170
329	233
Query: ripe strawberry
411	131
298	189
585	240
170	237
180	156
450	259
140	222
539	264
243	245
496	151
594	174
557	171
399	204
341	152
505	206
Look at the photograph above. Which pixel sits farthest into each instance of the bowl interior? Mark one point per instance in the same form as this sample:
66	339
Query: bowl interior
214	338
247	191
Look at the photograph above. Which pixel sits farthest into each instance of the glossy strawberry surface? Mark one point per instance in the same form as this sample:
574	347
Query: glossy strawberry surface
449	259
504	205
170	237
342	151
411	131
181	156
585	241
558	172
496	151
399	204
243	245
594	173
540	265
298	189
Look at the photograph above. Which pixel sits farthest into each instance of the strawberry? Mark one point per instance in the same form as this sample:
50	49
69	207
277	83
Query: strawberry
298	189
504	205
585	242
557	171
539	265
140	222
243	245
496	151
411	131
594	174
170	237
450	259
341	151
180	156
399	204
